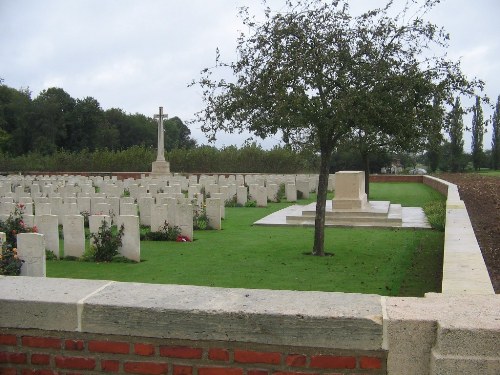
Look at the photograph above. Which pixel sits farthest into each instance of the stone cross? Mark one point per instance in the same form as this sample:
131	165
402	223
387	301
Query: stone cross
161	143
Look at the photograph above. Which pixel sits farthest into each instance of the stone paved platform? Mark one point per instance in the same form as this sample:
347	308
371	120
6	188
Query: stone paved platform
412	217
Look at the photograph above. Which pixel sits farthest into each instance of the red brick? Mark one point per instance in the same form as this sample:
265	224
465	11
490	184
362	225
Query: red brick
144	349
220	371
295	373
257	372
8	340
110	365
296	360
248	356
40	359
331	361
74	345
39	372
183	370
370	363
41	342
148	368
181	352
114	347
7	357
75	363
216	354
8	371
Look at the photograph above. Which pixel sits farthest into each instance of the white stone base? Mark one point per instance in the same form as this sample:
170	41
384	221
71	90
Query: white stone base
160	168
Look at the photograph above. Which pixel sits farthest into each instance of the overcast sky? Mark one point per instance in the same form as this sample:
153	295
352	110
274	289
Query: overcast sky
138	55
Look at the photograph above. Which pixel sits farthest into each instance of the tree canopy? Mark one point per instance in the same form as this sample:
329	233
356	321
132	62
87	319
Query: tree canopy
55	121
320	77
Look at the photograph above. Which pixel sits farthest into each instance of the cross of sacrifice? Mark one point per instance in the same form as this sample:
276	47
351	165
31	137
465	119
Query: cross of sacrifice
161	143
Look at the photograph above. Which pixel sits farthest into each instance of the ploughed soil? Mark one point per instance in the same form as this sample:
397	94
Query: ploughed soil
481	195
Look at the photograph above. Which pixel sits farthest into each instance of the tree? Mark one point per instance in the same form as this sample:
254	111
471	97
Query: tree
52	116
15	126
307	70
88	116
477	134
495	137
435	138
455	130
177	135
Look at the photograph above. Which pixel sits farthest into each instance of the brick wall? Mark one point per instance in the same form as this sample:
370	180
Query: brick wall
48	352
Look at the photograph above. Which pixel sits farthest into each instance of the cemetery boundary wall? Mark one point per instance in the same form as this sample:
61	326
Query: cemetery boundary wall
63	326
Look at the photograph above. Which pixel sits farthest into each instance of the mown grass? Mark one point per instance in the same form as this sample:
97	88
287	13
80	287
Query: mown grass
363	260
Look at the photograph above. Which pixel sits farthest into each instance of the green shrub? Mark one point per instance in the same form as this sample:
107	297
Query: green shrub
10	264
436	214
200	220
106	242
14	225
165	233
251	204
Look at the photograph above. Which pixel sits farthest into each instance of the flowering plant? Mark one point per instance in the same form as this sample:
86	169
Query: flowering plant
10	264
15	225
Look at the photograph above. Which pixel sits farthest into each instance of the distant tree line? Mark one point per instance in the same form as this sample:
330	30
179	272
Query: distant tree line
54	121
447	154
250	158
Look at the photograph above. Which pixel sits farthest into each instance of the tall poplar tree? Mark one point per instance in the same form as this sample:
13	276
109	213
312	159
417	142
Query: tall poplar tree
477	134
455	125
495	138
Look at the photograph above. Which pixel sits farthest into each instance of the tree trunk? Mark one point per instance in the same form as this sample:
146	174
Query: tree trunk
366	165
319	222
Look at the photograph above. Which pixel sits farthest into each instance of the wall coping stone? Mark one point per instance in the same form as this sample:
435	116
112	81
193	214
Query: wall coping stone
313	319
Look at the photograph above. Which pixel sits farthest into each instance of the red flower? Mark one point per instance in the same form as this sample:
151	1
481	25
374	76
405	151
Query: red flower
181	238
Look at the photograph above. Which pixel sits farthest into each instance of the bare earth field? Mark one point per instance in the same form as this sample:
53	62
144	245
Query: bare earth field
481	195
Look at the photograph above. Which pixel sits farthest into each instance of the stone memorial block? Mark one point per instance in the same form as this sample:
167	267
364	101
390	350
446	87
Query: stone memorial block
224	190
231	190
303	187
31	249
43	209
6	200
94	204
185	220
88	189
128	209
240	180
212	189
193	190
74	235
29	220
84	204
48	225
213	213
145	206
350	191
242	195
114	202
159	215
70	209
153	189
261	197
222	204
131	242
103	208
3	238
193	180
291	192
272	192
126	200
252	191
27	208
133	189
172	211
331	182
7	208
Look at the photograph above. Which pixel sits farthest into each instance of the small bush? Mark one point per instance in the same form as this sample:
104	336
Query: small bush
10	264
49	255
233	202
14	225
200	220
166	233
251	204
436	214
105	243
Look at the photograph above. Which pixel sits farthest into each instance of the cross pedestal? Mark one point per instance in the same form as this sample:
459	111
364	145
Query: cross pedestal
160	167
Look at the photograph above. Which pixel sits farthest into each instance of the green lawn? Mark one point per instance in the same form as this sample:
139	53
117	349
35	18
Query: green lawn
381	261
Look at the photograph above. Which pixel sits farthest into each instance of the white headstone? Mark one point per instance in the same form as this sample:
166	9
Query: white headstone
213	213
131	242
261	196
241	195
74	235
31	249
185	220
48	225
